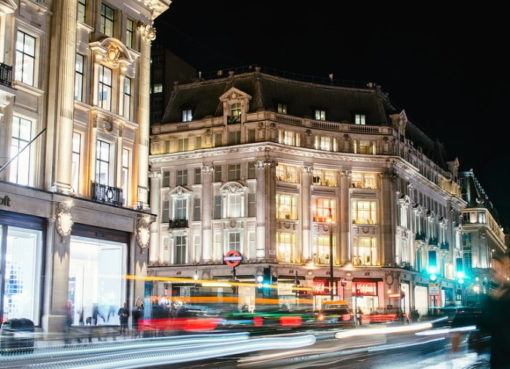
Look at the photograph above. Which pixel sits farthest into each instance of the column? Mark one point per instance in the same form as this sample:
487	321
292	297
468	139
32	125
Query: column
344	216
148	34
270	210
260	175
386	218
62	96
206	212
155	244
306	182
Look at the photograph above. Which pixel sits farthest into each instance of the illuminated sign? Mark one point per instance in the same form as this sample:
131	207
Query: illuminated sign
365	289
232	258
5	201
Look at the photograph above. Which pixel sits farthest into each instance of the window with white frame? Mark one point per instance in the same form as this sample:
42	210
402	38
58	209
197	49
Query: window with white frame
81	11
104	98
127	97
187	115
165	212
182	178
198	175
251	170
217	173
322	249
234	241
196	209
325	143
364	251
126	159
290	138
75	171
359	119
235	205
287	173
103	162
180	208
364	180
106	25
364	212
130	32
21	135
285	244
282	108
78	77
323	209
324	177
180	250
25	58
234	172
320	114
286	206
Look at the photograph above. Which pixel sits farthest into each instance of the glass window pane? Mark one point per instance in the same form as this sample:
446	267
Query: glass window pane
29	45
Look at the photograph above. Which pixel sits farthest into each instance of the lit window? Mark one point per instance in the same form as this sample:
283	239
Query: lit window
107	20
198	143
20	137
182	178
105	88
127	98
182	144
320	114
80	12
125	175
325	143
180	250
288	137
78	78
103	162
187	115
235	205
234	241
130	27
235	113
364	180
180	208
286	206
321	247
234	172
324	177
364	147
285	244
359	119
282	108
321	210
287	173
157	88
364	251
364	212
75	180
25	58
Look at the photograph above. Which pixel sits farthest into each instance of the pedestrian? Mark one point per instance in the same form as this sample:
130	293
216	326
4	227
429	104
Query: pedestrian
137	315
123	316
495	316
358	316
415	315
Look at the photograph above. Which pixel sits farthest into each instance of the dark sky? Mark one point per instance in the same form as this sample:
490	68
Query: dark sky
448	69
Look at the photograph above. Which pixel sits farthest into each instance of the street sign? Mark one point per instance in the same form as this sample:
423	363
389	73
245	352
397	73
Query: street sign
434	289
232	258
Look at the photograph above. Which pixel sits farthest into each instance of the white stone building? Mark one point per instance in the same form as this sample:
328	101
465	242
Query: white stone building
255	163
74	137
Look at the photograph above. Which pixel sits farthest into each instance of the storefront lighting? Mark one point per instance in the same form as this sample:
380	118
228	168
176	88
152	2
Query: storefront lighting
433	277
260	279
215	284
476	288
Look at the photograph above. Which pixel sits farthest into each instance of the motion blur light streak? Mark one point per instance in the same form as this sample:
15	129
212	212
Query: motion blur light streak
434	332
384	330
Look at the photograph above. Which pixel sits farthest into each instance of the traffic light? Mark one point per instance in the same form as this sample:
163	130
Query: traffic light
266	277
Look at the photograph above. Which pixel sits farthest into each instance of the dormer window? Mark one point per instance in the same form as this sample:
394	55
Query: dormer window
282	108
320	114
360	119
187	115
234	114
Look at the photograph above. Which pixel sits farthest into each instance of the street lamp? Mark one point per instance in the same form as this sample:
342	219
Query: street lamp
330	221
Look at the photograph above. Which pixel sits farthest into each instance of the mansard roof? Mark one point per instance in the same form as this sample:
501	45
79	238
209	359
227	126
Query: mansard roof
474	194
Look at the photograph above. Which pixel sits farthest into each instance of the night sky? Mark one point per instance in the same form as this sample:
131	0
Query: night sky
447	68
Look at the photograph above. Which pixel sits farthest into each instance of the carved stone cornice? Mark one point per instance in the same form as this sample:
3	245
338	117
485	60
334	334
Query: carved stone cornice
147	32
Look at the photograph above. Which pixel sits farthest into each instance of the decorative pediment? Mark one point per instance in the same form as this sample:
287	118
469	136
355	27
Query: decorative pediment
232	187
112	52
234	94
179	191
8	6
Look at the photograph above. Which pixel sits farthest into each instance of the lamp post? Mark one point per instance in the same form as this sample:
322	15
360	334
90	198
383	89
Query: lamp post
331	282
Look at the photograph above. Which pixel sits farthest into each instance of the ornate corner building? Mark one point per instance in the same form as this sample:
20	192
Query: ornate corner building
74	144
265	165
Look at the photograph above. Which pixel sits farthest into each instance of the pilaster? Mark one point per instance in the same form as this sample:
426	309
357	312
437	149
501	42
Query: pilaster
306	183
343	206
206	212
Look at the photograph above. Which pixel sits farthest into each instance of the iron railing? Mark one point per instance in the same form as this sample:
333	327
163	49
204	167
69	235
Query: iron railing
5	75
107	194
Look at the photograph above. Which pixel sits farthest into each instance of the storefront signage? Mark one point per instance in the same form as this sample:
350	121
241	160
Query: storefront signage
434	289
319	287
232	258
365	288
5	201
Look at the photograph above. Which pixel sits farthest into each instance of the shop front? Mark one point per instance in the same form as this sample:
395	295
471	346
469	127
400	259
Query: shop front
368	295
421	299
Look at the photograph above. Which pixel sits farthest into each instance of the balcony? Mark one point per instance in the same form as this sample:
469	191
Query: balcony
5	75
233	119
107	194
178	223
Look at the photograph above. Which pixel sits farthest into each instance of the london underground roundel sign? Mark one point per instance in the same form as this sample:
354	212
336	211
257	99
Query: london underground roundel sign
232	258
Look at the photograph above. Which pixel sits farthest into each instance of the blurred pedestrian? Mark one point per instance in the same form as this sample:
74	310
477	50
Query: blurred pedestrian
495	317
123	317
137	315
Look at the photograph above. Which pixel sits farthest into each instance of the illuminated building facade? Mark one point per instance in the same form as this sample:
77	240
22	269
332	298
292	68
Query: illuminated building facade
74	139
262	164
482	236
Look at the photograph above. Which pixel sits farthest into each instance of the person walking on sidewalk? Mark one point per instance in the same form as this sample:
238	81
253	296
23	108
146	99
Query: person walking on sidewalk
123	316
